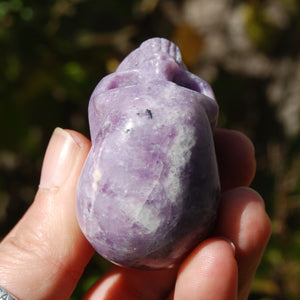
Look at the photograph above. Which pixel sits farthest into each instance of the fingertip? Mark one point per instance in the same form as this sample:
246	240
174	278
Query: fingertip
66	152
209	272
223	134
101	288
255	224
243	219
79	138
244	193
236	158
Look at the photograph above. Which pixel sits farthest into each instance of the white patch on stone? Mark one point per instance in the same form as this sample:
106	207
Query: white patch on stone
96	177
150	221
128	126
179	155
94	185
142	215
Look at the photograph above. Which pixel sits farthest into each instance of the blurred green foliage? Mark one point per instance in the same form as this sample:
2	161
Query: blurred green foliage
53	53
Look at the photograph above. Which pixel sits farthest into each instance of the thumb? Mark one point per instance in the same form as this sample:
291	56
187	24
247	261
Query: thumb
45	254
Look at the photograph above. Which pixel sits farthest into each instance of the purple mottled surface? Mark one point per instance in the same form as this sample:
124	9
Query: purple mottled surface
149	190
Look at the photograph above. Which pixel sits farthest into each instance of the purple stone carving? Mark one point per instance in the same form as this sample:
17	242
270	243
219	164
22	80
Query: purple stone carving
149	190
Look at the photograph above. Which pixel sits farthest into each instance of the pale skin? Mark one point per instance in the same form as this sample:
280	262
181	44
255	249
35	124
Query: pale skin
43	257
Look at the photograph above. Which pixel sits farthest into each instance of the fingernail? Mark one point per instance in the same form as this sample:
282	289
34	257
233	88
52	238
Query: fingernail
229	242
59	159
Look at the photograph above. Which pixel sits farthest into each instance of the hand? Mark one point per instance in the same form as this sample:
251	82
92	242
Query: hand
44	255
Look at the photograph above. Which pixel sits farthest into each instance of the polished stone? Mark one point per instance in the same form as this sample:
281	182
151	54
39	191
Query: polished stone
149	190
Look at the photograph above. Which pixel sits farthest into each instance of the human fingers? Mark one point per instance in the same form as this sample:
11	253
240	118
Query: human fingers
131	284
236	158
243	220
209	272
45	253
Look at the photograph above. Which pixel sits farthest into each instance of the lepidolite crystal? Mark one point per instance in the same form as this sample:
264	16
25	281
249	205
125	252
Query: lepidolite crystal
149	190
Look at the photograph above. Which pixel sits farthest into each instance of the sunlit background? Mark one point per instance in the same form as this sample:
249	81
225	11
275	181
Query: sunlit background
53	53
